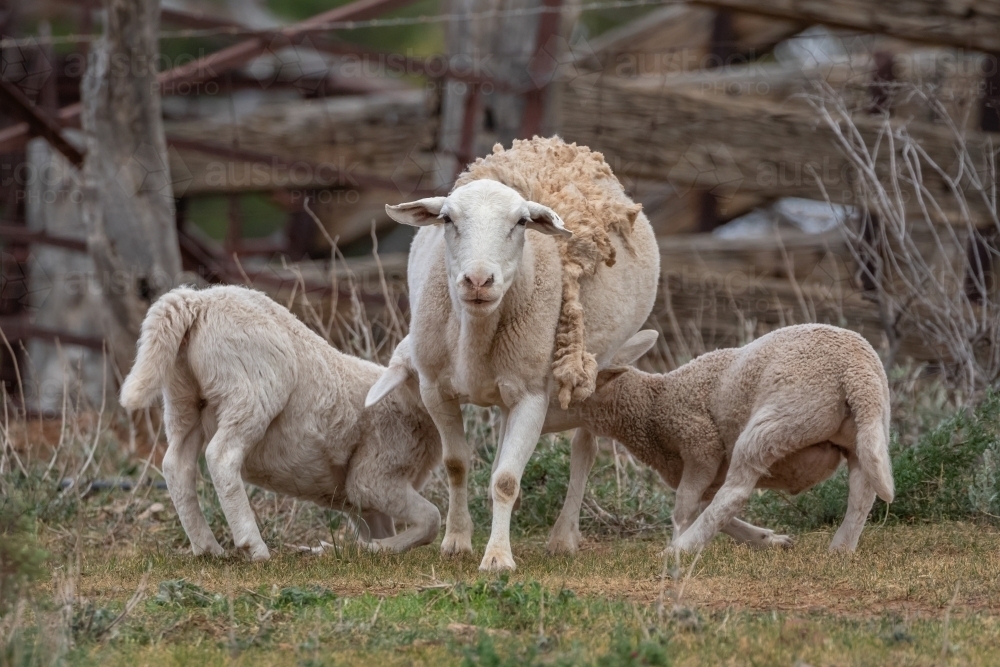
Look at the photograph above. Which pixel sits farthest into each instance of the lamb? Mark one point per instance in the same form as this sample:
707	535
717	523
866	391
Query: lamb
524	281
779	413
282	409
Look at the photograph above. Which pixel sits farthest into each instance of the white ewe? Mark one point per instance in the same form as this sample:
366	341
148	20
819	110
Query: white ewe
511	307
282	409
779	413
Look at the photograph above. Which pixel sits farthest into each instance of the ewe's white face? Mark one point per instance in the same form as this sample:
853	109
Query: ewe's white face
484	225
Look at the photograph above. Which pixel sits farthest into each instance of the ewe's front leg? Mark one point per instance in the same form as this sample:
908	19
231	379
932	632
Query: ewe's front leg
523	429
447	417
225	462
565	536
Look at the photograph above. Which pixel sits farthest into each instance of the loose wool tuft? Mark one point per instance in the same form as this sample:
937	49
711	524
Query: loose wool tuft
578	184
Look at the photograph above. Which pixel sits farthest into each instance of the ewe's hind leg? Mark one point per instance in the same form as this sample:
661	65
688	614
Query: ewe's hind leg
180	470
860	498
565	536
225	456
422	518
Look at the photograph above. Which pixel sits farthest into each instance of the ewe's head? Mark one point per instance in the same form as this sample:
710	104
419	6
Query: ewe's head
484	226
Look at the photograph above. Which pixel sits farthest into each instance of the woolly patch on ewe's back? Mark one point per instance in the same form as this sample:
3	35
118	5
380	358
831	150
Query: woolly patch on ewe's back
578	184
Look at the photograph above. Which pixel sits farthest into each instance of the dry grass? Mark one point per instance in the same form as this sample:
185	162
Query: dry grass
886	604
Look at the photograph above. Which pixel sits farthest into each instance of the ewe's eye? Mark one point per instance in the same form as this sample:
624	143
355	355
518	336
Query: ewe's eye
522	222
446	219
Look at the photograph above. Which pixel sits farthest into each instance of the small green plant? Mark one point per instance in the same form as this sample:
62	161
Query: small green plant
182	593
626	653
484	654
21	559
295	597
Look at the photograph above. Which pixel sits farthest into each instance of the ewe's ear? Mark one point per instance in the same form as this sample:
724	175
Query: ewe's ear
417	213
634	347
392	378
543	219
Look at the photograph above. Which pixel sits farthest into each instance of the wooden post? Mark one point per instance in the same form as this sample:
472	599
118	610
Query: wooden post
128	204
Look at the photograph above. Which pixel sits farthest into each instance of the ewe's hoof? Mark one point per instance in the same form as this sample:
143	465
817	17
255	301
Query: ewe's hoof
211	550
496	561
258	553
564	541
455	545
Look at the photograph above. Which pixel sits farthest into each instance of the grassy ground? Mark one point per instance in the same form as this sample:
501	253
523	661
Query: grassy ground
105	577
921	595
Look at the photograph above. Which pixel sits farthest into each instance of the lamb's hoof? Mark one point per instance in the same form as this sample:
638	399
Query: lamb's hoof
564	541
680	545
497	561
455	545
212	550
776	540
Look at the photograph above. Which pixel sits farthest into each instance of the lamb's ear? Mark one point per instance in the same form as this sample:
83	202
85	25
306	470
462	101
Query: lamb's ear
543	219
634	347
393	377
609	374
417	213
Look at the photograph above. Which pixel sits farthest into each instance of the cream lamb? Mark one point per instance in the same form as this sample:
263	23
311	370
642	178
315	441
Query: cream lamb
524	281
280	408
779	413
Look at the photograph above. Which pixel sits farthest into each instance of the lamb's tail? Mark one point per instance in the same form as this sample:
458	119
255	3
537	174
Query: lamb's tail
163	331
868	397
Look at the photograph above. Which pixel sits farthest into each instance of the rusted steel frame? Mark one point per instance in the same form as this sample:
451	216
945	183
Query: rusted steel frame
408	65
19	105
215	63
470	122
534	107
20	234
243	155
225	270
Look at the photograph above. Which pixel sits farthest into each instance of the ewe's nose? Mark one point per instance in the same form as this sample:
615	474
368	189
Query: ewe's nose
478	279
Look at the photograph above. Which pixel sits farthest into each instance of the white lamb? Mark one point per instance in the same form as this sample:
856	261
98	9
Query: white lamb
282	409
779	413
511	306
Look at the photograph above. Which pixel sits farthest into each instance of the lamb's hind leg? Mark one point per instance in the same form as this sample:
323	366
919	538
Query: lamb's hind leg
373	525
422	518
225	455
755	536
860	498
763	441
180	471
565	536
